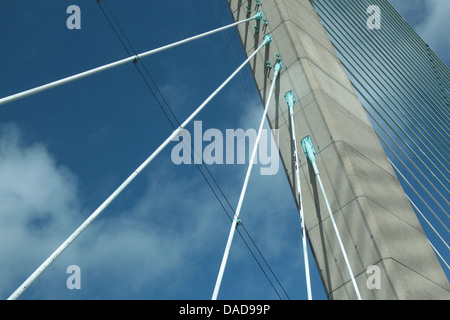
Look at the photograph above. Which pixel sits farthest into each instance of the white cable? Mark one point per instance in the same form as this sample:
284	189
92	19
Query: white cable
53	84
437	252
420	197
291	100
244	189
338	237
310	154
417	209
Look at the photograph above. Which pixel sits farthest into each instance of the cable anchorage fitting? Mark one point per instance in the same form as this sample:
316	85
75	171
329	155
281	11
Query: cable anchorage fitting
268	39
258	16
290	99
278	65
309	150
180	131
278	57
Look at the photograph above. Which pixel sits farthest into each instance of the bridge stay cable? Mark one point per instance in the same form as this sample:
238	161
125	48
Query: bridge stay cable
290	99
439	255
105	204
380	137
417	209
133	58
310	152
236	220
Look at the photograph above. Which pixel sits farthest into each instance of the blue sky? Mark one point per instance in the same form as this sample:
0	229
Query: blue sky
63	152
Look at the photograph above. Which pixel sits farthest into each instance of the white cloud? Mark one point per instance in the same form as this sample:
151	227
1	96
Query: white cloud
158	240
411	10
435	27
38	202
429	18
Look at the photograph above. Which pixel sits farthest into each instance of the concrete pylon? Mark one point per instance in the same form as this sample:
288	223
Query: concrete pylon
375	219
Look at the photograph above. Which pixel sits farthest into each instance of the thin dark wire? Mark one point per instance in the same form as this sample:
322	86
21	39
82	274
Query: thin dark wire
142	63
209	172
129	54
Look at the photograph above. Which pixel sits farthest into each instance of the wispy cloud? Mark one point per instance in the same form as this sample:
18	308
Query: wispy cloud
429	18
430	29
38	203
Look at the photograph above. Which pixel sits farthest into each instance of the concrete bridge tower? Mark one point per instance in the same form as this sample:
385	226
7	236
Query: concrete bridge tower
375	219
